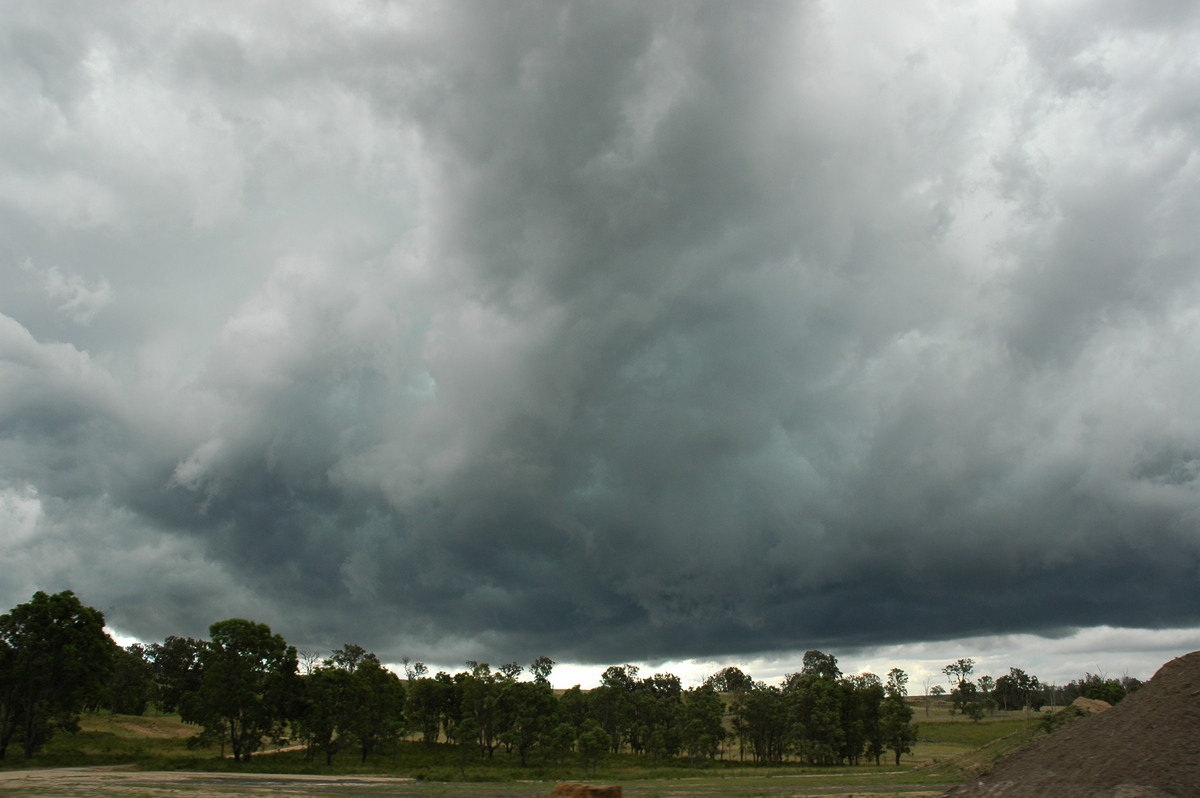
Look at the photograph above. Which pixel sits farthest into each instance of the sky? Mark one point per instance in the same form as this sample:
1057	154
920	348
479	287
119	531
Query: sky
676	333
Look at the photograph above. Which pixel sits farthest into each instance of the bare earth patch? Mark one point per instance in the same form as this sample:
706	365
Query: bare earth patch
1147	746
124	782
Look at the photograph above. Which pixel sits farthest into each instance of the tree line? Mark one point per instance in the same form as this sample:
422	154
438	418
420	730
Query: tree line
1020	690
245	686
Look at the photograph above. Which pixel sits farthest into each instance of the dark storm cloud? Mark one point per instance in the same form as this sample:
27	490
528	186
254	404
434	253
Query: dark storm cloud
606	331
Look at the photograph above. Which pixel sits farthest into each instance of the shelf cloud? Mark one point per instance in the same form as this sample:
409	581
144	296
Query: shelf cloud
609	332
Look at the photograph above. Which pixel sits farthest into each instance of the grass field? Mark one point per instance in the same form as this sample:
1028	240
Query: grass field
149	757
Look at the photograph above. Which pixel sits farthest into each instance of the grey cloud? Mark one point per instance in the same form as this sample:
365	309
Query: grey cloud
615	332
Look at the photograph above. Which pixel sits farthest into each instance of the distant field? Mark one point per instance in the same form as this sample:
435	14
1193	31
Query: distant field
148	757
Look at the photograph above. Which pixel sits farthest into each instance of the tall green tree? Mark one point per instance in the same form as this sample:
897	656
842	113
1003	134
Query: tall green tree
761	721
818	663
862	696
176	671
248	685
541	669
55	658
896	724
530	712
593	741
730	680
481	702
326	709
612	704
963	691
815	703
703	724
423	707
1018	690
379	701
132	687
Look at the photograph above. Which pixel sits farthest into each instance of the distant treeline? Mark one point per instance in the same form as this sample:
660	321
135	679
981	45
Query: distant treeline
245	685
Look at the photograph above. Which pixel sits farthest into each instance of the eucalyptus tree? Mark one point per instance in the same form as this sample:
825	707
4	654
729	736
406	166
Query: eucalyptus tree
730	680
424	704
480	702
1017	690
530	713
815	704
131	688
896	724
327	707
378	702
248	683
761	721
964	691
176	664
541	669
612	704
703	722
55	658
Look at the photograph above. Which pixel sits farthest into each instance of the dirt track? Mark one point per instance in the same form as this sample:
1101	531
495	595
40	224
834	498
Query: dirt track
123	782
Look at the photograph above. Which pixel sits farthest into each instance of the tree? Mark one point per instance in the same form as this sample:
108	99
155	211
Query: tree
964	692
573	707
327	708
898	729
176	671
592	743
132	685
541	668
1096	687
350	656
897	684
54	658
612	704
531	712
730	680
247	684
1018	690
861	699
480	702
896	726
703	726
378	703
465	735
818	663
351	698
761	721
986	685
423	707
816	728
559	742
414	670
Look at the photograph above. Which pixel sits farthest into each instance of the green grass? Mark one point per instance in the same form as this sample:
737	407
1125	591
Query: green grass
947	752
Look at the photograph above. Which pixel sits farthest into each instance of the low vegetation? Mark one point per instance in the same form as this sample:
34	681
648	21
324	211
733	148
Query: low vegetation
946	751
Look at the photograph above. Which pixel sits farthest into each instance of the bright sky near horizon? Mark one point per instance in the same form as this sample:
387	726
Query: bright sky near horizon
689	333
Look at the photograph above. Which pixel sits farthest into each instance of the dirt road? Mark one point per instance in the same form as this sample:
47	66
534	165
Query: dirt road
124	782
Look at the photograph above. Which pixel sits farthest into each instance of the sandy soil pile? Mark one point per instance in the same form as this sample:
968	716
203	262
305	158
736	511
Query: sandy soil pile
1091	705
1147	746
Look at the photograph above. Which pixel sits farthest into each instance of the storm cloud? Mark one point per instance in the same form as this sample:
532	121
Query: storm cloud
606	331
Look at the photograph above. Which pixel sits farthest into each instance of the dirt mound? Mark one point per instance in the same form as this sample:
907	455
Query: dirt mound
1091	705
1147	746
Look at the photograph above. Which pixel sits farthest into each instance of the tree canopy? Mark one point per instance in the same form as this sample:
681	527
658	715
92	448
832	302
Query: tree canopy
54	657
